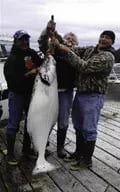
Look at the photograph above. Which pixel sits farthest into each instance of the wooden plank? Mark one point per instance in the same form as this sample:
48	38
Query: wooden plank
94	183
109	148
104	156
65	180
110	139
12	175
105	172
40	182
111	112
112	105
86	178
109	175
108	159
111	124
101	144
12	178
44	183
111	109
111	189
109	132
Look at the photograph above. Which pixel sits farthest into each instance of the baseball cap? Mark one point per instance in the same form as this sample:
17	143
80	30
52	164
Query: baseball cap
20	33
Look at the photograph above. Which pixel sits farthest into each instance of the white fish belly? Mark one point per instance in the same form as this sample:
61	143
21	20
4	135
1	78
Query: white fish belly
43	112
42	115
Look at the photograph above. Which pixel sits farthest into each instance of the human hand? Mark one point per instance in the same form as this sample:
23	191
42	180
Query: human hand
50	52
59	46
55	42
32	72
64	48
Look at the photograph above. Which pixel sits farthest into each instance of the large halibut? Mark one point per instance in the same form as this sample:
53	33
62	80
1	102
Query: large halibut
43	111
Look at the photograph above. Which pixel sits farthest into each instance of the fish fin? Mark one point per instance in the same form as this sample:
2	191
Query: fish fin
45	80
43	168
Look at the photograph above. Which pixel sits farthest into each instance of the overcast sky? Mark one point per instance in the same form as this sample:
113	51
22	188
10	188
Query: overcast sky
86	18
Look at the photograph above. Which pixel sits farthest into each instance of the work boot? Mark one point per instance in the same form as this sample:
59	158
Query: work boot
26	141
86	161
89	149
79	149
10	149
71	157
61	135
27	151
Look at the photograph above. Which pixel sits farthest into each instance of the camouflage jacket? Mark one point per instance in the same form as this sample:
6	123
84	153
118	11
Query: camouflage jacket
93	67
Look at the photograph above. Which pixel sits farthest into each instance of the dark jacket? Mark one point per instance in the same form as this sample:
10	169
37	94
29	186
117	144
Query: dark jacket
65	72
15	69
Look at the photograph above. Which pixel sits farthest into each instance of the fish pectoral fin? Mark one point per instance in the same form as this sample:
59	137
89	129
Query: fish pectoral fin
45	79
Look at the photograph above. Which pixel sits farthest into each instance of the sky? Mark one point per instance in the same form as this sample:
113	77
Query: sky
86	18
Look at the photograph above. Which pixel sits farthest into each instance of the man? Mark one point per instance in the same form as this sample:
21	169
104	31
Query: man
93	66
19	70
65	77
66	84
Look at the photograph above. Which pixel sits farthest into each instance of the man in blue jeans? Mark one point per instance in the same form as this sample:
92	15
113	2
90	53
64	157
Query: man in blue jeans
19	70
93	66
66	82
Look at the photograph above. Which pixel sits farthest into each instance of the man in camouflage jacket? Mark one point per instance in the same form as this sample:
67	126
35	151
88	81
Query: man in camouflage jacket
93	66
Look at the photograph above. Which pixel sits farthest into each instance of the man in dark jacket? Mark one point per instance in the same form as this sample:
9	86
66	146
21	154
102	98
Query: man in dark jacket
66	85
19	70
65	77
93	66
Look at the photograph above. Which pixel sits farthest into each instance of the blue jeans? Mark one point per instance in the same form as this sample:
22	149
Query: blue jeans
16	104
65	104
86	113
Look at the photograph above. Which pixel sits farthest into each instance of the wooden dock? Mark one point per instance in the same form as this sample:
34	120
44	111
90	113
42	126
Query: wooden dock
104	176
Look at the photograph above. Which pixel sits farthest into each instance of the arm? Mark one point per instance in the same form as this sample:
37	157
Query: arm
37	63
98	63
